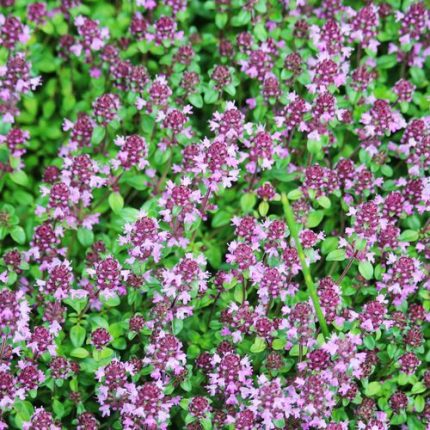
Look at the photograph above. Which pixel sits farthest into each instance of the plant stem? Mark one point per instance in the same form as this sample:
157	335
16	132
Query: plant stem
292	225
345	271
214	306
202	211
163	177
3	347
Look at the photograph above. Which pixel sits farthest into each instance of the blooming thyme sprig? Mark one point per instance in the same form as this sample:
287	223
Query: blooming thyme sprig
289	215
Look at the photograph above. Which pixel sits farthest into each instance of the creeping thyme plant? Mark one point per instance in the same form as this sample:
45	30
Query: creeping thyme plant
214	214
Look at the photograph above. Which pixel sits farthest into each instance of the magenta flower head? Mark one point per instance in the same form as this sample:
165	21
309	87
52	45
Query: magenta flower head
37	12
106	108
41	419
100	338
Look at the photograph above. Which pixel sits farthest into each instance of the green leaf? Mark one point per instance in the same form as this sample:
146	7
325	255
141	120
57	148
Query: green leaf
336	255
419	403
387	61
263	208
24	409
206	424
360	244
242	18
85	237
74	385
366	269
278	344
314	219
329	244
138	182
295	194
119	343
230	89
77	304
77	335
11	278
48	109
47	27
221	20
18	234
221	218
47	64
324	202
247	202
58	408
260	31
79	353
20	178
106	353
418	76
211	96
418	388
238	293
214	255
369	342
304	78
98	135
403	378
259	345
281	175
314	146
186	385
196	100
409	236
110	301
116	202
178	325
184	403
116	329
4	155
373	389
280	423
295	351
415	424
398	418
391	350
354	96
261	6
98	321
387	170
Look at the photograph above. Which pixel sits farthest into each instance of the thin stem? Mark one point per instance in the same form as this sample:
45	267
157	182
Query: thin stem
427	224
87	306
269	305
359	52
345	271
300	352
174	301
333	268
244	291
214	306
163	177
3	347
292	225
202	211
72	243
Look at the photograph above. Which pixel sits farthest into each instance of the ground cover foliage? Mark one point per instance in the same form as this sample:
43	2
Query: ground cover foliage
214	214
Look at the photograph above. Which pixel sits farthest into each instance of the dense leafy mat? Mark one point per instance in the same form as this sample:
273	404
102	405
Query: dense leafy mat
214	215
